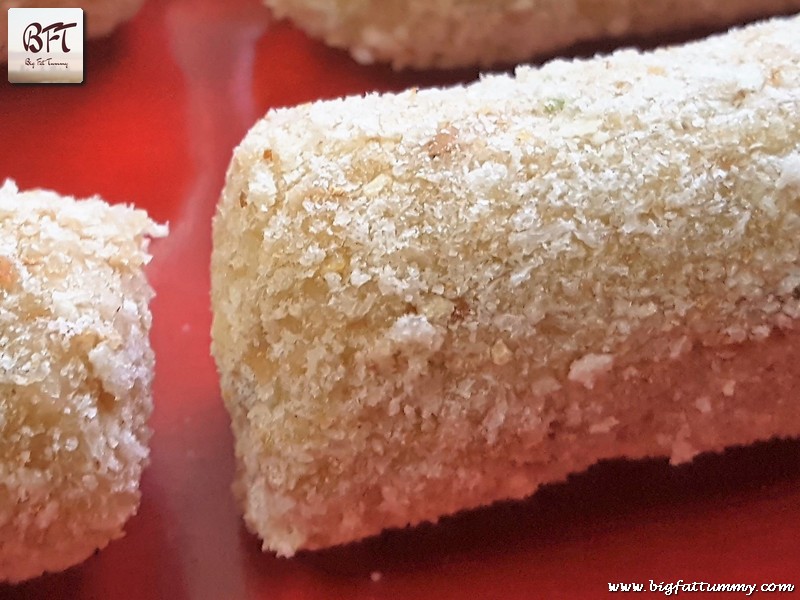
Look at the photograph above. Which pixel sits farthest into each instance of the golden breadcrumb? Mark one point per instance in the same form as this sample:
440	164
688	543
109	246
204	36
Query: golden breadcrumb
75	374
430	301
458	33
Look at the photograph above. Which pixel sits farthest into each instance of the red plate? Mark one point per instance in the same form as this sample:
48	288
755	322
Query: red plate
164	102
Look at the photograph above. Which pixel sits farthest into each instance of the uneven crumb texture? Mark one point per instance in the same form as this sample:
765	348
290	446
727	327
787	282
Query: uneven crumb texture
75	374
457	33
101	16
429	301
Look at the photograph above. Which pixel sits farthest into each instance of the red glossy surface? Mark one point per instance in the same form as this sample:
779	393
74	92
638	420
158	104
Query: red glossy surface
164	103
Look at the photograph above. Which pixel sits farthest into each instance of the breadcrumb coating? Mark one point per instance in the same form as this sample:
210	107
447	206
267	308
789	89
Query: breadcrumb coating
459	33
75	375
431	301
101	16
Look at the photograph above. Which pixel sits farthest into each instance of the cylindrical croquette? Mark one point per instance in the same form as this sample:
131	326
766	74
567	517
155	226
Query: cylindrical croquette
101	16
75	376
459	33
431	301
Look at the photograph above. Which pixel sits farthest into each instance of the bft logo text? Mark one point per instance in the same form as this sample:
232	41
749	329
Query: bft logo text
33	41
45	45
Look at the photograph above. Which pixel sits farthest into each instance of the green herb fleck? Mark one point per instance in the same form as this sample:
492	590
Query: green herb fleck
554	105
